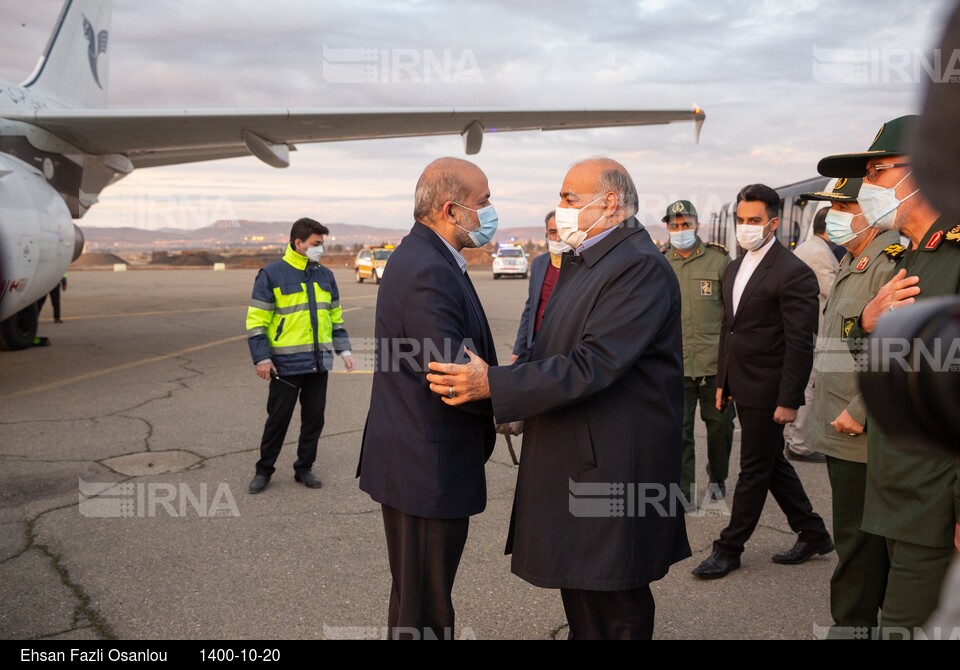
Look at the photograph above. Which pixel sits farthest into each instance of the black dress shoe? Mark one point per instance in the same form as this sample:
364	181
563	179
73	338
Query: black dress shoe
308	479
718	565
258	484
806	458
803	551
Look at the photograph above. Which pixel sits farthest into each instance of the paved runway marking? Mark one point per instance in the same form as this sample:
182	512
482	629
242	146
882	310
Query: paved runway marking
119	368
126	366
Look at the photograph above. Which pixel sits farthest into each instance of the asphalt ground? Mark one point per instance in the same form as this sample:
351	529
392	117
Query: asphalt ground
149	383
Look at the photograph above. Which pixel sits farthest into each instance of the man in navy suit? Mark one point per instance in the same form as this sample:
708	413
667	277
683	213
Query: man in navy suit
544	273
422	460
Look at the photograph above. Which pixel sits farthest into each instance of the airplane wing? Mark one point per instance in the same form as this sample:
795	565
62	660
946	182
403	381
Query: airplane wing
165	137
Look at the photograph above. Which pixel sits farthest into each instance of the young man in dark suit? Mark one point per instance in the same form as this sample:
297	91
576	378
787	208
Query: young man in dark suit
422	460
765	358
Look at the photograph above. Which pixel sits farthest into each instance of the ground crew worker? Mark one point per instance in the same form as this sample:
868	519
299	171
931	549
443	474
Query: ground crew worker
699	266
838	415
295	324
912	499
54	299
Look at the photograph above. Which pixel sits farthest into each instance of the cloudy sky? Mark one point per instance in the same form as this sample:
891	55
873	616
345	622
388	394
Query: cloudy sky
783	84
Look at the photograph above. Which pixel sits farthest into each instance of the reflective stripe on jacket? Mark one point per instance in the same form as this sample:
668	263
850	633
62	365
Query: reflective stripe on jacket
299	328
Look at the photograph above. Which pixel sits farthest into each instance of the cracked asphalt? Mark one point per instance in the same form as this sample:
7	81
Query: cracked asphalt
151	371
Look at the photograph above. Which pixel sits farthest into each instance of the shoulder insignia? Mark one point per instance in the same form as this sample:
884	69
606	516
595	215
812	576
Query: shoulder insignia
895	251
720	247
954	235
862	265
934	242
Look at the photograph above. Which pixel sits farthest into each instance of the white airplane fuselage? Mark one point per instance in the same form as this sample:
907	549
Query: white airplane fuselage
40	175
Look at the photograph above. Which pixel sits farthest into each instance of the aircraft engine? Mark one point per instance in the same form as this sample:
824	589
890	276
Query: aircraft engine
38	241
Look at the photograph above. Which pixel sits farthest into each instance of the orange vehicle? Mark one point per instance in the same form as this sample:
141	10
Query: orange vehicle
371	261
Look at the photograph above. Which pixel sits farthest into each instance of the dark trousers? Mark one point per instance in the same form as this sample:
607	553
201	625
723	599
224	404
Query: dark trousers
914	582
860	578
609	615
424	556
311	389
54	300
764	468
719	432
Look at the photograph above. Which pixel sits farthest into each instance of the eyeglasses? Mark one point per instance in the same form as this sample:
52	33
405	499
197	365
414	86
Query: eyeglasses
873	170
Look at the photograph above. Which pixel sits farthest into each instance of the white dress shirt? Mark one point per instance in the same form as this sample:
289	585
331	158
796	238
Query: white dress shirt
751	261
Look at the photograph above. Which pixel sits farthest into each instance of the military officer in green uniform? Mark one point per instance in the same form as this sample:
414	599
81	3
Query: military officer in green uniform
699	267
838	416
912	499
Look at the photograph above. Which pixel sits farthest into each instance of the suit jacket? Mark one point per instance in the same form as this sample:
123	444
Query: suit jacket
419	455
602	395
528	320
766	348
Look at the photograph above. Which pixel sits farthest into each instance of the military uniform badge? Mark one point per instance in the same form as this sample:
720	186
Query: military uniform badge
895	251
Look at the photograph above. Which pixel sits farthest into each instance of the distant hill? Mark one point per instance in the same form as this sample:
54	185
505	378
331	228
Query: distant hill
263	235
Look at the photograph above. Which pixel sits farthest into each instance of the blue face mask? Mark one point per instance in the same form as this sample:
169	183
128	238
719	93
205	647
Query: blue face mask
840	227
683	239
488	225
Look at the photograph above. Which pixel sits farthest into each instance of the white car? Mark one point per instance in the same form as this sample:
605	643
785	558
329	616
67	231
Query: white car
510	260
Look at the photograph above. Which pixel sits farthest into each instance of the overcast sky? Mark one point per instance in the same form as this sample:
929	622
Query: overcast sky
756	68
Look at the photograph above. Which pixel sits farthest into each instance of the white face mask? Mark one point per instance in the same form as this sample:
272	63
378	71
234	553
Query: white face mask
558	247
880	204
314	253
568	224
750	237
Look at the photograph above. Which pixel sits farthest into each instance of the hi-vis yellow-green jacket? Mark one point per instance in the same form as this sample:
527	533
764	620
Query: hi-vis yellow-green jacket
294	317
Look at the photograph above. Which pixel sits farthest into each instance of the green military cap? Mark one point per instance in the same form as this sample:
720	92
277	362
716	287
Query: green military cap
890	141
682	208
845	190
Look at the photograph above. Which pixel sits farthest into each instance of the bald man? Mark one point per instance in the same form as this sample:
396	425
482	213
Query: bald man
421	459
597	511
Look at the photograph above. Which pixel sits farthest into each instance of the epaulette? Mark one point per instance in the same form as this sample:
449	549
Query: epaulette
718	247
954	235
895	251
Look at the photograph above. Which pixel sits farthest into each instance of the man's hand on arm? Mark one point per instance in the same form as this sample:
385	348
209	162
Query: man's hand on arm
785	415
265	369
895	293
465	383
